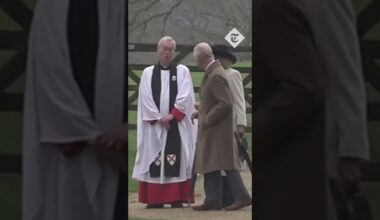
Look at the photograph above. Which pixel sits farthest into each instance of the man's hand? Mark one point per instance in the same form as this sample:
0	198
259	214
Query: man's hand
194	116
165	121
71	149
107	152
240	130
110	147
196	106
116	138
350	172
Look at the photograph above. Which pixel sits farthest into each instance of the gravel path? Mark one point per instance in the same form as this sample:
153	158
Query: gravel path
138	210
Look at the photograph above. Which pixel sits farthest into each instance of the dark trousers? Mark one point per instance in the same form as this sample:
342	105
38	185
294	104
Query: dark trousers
213	187
238	189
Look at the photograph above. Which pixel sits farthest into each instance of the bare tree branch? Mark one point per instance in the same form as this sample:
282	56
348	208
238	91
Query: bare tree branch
145	22
229	21
179	2
190	20
137	13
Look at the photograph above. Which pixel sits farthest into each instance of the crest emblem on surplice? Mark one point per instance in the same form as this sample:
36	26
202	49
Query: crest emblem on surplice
157	160
171	158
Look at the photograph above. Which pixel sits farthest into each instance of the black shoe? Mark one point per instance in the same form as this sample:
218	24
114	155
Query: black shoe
176	205
155	206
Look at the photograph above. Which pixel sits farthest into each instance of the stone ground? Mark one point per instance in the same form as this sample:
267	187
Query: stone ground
138	210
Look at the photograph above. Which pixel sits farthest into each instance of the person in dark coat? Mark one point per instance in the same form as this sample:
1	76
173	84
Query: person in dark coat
328	29
289	154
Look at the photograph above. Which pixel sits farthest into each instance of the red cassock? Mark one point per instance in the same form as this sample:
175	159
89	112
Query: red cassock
153	193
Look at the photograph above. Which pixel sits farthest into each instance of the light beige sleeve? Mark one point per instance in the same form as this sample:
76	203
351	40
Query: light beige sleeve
237	90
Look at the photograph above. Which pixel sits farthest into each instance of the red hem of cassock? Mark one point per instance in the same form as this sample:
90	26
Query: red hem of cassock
153	193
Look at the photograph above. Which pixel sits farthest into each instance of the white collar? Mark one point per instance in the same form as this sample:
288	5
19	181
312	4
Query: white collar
208	65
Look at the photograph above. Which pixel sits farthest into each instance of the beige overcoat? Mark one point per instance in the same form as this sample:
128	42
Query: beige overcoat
216	146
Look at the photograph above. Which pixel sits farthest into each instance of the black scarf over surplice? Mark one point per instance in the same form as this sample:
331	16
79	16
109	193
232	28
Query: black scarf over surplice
172	154
83	42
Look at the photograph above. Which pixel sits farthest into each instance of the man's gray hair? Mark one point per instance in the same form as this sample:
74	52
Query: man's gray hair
166	38
199	53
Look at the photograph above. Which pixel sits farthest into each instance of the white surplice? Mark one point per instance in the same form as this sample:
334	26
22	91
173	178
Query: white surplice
151	138
56	187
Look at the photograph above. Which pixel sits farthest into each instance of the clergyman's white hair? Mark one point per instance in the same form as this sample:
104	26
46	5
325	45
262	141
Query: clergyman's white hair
166	38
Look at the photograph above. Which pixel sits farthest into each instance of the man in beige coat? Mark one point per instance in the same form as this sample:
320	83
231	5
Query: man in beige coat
227	59
216	147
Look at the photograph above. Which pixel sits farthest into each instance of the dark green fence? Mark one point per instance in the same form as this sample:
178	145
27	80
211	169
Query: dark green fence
15	17
16	40
182	52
